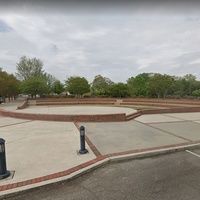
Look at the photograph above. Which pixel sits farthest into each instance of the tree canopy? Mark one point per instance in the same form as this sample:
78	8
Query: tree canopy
32	79
77	85
31	74
27	68
34	86
9	85
159	85
119	90
138	85
100	85
57	87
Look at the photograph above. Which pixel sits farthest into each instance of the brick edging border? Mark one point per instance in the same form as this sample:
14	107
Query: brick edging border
88	163
90	144
51	176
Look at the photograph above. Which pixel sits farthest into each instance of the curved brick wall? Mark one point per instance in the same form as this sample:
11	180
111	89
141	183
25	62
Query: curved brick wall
118	117
193	106
66	118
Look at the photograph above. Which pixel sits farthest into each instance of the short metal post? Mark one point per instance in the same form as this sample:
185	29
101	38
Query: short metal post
83	150
3	170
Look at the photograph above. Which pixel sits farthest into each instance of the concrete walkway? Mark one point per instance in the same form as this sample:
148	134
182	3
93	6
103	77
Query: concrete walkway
40	152
79	109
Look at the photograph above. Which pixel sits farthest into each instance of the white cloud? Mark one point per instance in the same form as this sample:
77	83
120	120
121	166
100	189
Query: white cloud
111	44
194	62
144	63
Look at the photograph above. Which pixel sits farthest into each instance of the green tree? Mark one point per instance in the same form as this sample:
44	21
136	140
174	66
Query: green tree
12	87
138	85
185	85
27	68
119	90
50	80
196	93
190	83
31	70
159	85
177	86
77	85
34	86
57	87
100	85
3	82
9	85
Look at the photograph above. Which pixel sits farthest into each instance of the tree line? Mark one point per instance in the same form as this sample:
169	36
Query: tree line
31	79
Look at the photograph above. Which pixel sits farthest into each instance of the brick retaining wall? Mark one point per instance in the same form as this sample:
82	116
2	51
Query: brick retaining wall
95	118
66	118
171	110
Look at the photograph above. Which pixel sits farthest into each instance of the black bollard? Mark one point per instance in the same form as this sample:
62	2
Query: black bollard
83	150
3	170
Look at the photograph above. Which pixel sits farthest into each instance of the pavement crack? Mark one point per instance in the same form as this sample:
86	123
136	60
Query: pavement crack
16	124
16	140
170	133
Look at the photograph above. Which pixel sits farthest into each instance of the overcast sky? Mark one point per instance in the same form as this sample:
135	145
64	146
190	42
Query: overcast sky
113	39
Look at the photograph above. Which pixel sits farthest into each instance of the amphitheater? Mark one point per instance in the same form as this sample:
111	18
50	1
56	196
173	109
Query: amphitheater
97	109
44	134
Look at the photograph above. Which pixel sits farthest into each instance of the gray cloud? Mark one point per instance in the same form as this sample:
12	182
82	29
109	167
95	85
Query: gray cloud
114	44
103	7
4	27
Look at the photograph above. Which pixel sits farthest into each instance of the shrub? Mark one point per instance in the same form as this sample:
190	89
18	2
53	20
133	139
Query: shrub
177	97
87	95
190	97
169	97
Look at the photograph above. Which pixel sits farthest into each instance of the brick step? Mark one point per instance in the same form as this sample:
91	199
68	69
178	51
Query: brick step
133	116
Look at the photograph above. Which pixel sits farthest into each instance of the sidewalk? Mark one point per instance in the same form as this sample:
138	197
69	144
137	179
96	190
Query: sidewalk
40	152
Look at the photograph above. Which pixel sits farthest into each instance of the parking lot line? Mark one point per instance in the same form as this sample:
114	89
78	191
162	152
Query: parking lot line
193	153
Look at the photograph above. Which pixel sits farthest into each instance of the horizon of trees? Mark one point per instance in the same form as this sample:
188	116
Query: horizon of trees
31	78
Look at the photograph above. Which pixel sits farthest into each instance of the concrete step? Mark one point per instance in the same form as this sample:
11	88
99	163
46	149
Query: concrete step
31	102
133	115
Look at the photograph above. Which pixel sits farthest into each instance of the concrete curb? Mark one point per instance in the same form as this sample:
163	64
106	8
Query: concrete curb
12	192
153	153
98	164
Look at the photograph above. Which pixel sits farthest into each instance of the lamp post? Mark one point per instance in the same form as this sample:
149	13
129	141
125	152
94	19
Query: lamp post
83	150
3	170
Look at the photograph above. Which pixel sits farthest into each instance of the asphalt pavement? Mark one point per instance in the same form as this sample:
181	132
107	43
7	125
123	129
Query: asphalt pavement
40	153
166	177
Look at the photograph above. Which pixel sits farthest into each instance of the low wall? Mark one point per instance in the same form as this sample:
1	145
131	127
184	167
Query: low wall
171	110
23	105
117	101
93	118
66	118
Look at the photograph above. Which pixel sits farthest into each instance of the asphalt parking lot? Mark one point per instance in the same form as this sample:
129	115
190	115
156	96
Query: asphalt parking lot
166	177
